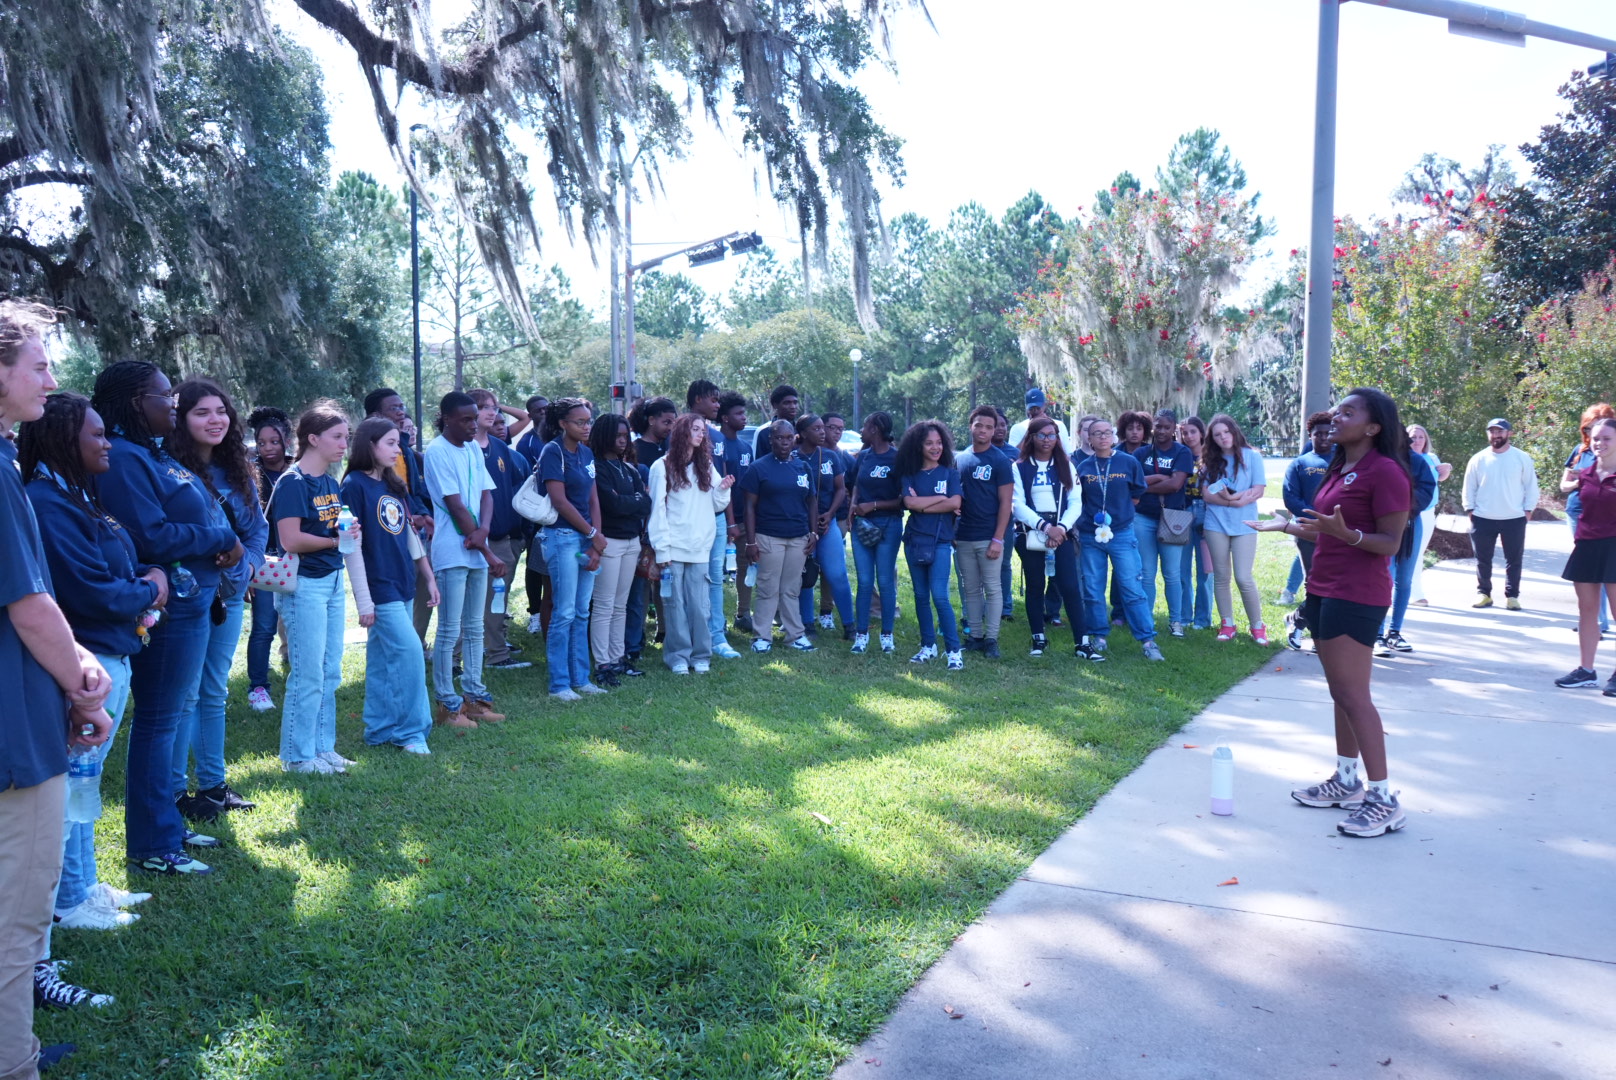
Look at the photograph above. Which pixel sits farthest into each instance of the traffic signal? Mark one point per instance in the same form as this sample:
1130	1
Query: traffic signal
1605	69
710	253
746	242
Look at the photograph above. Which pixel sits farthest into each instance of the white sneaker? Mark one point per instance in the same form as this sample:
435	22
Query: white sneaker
566	695
336	760
589	688
802	644
314	765
861	642
888	643
828	622
680	669
700	667
926	653
417	748
1153	651
956	660
534	624
259	699
762	646
1287	597
89	915
113	897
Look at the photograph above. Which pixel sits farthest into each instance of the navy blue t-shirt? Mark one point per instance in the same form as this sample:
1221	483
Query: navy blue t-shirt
33	720
509	471
848	465
316	501
827	466
384	521
575	470
981	478
943	480
737	457
1176	458
782	489
876	478
1111	483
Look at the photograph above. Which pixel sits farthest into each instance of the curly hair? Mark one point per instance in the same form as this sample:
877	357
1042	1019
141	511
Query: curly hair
230	455
1133	417
911	449
684	452
53	441
116	389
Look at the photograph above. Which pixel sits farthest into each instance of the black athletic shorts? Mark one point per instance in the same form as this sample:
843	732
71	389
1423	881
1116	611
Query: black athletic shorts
1328	617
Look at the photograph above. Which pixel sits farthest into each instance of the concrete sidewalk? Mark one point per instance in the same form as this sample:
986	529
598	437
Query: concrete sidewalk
1478	942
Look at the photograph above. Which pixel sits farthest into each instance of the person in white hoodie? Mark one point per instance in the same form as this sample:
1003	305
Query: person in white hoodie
687	492
1500	492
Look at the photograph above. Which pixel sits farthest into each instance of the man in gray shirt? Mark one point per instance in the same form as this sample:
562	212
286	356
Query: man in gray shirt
1500	490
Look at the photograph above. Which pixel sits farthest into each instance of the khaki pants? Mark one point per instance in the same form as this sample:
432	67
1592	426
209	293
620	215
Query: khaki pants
31	821
608	611
779	586
982	582
495	651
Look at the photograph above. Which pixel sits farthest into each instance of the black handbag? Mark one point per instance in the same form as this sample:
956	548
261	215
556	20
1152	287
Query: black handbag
921	549
869	532
810	573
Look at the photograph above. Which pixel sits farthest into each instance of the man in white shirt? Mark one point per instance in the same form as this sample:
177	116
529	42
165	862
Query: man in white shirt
1036	402
1500	490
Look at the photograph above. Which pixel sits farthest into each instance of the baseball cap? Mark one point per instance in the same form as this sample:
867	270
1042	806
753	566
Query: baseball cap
1035	397
1499	421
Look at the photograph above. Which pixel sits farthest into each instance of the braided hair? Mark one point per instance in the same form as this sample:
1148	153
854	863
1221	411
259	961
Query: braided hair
116	390
230	455
53	441
267	416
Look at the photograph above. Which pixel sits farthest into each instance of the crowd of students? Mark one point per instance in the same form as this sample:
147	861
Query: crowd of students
170	518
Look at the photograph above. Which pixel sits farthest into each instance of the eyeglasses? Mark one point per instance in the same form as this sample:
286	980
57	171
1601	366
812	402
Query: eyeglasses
172	399
577	420
1045	434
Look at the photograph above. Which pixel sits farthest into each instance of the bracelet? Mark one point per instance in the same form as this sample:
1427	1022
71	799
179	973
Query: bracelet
997	540
1358	541
591	534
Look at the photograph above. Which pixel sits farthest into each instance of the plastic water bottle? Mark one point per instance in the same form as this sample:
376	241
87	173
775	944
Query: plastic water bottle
1049	564
83	784
751	576
498	604
1223	781
729	557
182	583
666	585
345	540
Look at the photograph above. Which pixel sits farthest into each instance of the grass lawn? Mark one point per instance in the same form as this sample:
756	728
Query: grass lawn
734	875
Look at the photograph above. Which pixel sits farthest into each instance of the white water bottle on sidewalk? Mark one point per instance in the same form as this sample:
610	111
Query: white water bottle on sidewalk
1223	781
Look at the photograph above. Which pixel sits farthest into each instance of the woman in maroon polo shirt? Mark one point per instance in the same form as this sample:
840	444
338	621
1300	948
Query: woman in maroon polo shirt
1357	521
1592	566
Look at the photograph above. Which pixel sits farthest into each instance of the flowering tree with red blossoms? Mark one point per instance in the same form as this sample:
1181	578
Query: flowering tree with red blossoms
1573	366
1129	314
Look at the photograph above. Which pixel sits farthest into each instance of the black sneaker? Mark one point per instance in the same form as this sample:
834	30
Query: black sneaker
1083	650
510	663
607	676
990	648
1579	678
631	659
514	650
50	1056
628	670
744	623
1293	632
225	798
53	992
1395	641
1008	616
196	808
1039	644
973	644
1610	687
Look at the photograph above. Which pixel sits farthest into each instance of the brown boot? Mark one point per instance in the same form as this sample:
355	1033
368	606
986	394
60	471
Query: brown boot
456	719
482	711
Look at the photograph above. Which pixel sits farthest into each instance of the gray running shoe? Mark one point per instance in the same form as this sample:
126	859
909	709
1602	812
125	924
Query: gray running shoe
1331	793
1578	678
1375	816
1153	651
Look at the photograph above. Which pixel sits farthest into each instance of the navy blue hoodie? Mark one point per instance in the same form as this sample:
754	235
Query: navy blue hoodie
169	514
93	565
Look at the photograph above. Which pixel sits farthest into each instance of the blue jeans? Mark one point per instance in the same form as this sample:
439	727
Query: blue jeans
715	583
462	596
639	598
162	676
1606	611
78	839
314	627
1005	572
259	639
1122	553
1195	582
1403	581
202	719
832	555
1151	553
567	647
397	708
878	566
931	587
1298	575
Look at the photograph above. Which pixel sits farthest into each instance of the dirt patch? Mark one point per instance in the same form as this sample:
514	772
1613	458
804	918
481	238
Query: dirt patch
1447	544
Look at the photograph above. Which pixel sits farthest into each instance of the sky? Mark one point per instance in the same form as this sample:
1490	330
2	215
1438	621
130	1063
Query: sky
1061	95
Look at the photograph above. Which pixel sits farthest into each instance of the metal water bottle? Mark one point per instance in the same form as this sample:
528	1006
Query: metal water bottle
1223	781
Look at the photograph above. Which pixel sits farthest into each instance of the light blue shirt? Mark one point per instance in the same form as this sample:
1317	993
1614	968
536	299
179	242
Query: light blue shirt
1230	520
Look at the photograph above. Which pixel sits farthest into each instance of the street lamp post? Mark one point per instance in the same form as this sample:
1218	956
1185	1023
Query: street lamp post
1466	19
856	355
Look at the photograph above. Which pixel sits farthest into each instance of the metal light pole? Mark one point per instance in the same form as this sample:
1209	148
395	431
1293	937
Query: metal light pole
1465	19
856	355
415	285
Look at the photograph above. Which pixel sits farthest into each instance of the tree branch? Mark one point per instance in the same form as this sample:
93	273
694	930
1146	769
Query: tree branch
10	150
468	77
8	184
